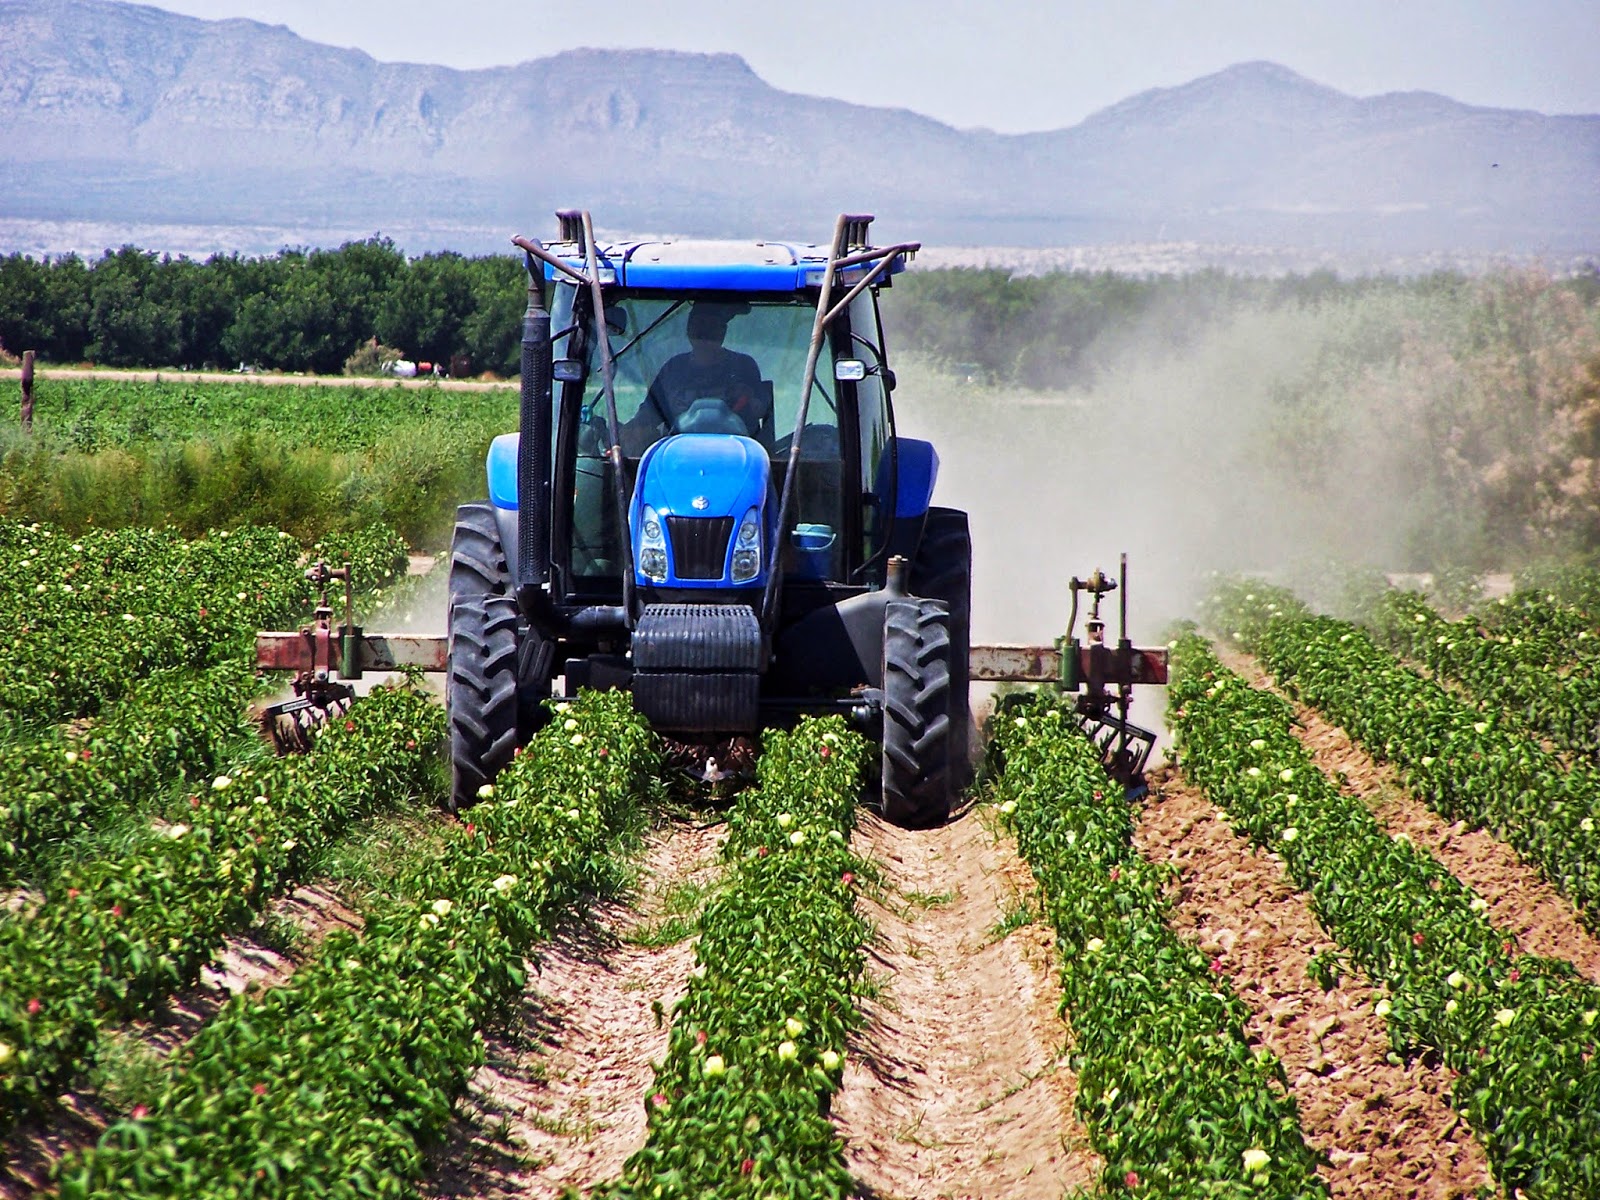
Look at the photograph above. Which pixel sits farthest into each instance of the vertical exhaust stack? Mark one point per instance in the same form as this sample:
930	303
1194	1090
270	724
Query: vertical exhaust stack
533	453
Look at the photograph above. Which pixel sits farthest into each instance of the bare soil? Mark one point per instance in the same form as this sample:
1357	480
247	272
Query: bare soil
1385	1128
959	1086
559	1102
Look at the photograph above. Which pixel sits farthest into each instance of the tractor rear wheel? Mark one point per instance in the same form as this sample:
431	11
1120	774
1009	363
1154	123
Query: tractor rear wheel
499	669
917	783
942	570
481	692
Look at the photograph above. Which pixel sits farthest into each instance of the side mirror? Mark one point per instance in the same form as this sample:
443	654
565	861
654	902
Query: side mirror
567	370
889	380
849	370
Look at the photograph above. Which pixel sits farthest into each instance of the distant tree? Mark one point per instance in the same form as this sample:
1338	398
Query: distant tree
491	335
129	325
425	307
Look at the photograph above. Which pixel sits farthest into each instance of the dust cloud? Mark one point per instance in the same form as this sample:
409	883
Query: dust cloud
1191	458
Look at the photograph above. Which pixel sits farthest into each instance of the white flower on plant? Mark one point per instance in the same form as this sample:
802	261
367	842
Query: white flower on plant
788	1051
1419	618
71	756
504	884
1587	824
1258	743
289	843
1290	834
1427	760
1441	639
1292	799
714	1065
1007	808
1256	1159
1383	1008
1094	945
1021	722
220	783
1505	1016
1072	837
129	617
429	921
836	835
42	588
1480	727
1253	772
1589	1016
486	791
794	1026
570	724
1286	774
238	595
1346	637
1450	1007
177	831
1456	979
797	838
442	907
785	820
573	814
830	1060
577	739
1479	904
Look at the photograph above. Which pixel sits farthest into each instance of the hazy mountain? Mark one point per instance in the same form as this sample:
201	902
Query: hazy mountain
124	117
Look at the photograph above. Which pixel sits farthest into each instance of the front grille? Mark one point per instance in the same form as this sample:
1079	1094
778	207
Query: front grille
699	546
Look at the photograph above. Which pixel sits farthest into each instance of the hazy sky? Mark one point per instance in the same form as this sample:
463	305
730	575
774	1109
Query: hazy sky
1011	65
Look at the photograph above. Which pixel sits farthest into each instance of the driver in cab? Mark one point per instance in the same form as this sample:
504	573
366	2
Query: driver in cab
709	389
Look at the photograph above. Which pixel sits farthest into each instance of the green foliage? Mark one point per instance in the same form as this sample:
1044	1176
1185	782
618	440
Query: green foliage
1176	1101
112	937
336	1082
297	310
740	1106
1464	762
1518	1029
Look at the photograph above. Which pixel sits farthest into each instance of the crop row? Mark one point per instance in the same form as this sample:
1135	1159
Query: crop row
1458	759
1538	677
740	1105
333	1083
1577	587
170	726
113	937
1176	1101
89	616
1517	1029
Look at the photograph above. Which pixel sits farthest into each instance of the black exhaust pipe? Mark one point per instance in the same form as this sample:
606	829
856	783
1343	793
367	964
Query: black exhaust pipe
533	458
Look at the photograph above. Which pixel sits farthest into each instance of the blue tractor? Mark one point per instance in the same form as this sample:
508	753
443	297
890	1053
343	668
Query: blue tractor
707	504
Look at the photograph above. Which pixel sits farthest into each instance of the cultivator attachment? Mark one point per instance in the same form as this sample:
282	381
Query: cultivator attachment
327	659
1103	674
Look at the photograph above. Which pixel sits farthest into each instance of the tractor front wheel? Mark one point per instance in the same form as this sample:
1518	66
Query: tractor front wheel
917	781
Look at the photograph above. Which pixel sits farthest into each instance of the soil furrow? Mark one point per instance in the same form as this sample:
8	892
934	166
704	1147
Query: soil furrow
1386	1129
559	1103
1520	901
959	1087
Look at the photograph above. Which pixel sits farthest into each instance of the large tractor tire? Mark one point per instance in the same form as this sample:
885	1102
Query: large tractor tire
942	570
917	783
499	668
481	692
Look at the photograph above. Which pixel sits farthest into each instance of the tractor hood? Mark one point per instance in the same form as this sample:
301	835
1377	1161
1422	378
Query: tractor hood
700	516
704	475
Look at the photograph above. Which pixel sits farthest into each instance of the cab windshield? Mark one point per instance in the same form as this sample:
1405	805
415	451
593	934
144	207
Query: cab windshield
704	363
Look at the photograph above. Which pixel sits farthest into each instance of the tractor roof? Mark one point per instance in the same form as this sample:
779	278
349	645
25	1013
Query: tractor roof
710	265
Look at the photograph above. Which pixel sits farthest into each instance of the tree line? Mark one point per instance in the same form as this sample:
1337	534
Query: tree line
298	310
309	310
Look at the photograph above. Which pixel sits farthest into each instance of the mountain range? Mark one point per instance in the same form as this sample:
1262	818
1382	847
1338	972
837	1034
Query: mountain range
136	124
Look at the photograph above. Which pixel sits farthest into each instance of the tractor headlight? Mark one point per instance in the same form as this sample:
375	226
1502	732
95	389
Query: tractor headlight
652	547
747	549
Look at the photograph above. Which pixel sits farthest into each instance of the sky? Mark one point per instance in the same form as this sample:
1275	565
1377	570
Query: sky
1008	65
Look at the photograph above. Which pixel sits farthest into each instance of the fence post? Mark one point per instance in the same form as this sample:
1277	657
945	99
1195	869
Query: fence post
27	390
